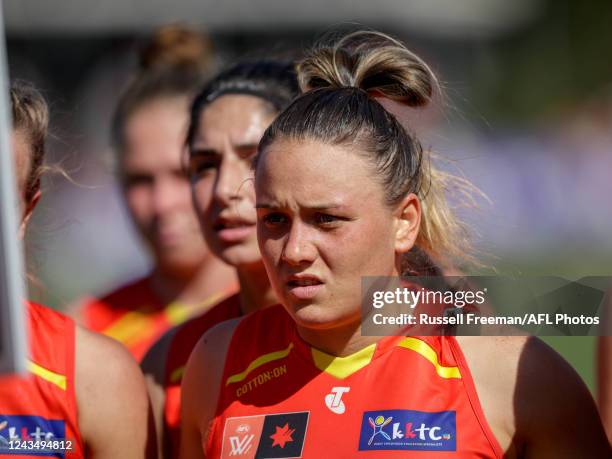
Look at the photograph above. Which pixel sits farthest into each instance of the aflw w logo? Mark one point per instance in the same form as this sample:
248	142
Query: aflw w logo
241	445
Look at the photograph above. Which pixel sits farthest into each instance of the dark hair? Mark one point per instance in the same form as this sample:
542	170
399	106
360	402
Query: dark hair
275	82
341	81
31	117
174	63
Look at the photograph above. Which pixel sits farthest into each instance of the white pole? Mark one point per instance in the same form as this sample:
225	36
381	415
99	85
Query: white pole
12	330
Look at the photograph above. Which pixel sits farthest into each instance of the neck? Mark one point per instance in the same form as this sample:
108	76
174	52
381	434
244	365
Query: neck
192	287
339	341
255	290
345	338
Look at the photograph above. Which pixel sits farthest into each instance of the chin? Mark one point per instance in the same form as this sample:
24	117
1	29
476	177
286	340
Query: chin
183	260
317	316
239	255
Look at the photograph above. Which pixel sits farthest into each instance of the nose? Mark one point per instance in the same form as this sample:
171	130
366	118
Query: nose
170	193
299	248
231	181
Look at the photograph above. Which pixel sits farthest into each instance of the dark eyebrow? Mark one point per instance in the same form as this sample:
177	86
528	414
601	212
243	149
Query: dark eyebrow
241	149
203	152
244	150
244	146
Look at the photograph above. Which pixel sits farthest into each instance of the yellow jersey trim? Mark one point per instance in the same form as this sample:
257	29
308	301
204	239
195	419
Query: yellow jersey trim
259	361
177	374
137	325
342	367
177	313
130	328
429	353
48	375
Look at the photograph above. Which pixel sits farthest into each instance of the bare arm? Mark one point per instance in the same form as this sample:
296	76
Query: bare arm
604	366
113	406
561	418
535	402
200	388
604	382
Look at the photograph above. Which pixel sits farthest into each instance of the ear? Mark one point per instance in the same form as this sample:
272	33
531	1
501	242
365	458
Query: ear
27	213
407	223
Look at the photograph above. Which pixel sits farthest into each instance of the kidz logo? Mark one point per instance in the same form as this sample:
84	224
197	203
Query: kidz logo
408	430
30	428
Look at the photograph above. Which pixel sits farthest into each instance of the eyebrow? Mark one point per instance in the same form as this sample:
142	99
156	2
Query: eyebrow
265	205
202	152
240	148
244	146
244	149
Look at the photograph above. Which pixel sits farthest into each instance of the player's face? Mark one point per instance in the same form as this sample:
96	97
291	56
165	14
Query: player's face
156	188
322	224
220	168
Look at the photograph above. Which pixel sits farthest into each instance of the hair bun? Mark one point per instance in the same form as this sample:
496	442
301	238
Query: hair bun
373	62
176	45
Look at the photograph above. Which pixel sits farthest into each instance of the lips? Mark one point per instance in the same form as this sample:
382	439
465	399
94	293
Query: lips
233	230
304	286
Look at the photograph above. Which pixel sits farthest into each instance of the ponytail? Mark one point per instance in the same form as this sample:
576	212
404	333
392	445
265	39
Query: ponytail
341	82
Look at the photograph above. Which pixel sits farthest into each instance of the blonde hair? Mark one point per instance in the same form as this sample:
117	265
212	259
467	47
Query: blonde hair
31	117
176	45
175	62
341	81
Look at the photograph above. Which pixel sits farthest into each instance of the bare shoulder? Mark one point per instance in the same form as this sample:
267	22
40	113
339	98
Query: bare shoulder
604	381
207	361
218	337
114	412
519	363
490	357
201	385
529	393
97	354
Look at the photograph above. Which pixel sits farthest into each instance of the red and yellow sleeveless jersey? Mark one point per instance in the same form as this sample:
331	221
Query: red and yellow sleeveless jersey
405	396
136	317
41	405
179	350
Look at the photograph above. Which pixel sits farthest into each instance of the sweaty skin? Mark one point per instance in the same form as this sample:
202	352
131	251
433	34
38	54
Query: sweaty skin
307	222
223	198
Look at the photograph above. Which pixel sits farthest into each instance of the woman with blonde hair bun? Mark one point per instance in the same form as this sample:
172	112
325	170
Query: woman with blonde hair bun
148	135
343	192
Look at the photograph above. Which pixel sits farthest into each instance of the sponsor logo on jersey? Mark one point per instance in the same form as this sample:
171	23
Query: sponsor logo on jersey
334	400
408	430
30	428
265	436
261	379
